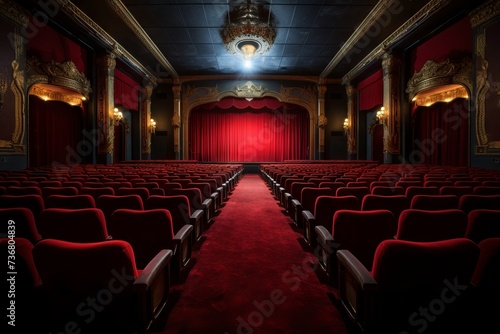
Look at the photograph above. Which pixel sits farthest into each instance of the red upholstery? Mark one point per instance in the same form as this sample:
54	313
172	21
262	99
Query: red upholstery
70	202
455	190
96	192
75	225
394	203
106	273
434	202
109	203
407	277
332	185
24	190
168	187
324	209
471	202
150	231
412	191
66	191
142	192
483	224
33	202
435	225
23	226
360	232
486	190
358	192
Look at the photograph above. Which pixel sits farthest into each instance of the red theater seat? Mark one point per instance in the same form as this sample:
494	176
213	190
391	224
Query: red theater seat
110	203
406	276
434	202
435	225
106	274
70	202
483	224
471	202
308	197
360	232
149	232
75	225
394	203
22	224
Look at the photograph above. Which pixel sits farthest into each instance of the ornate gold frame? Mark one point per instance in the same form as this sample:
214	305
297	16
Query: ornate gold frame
302	96
481	18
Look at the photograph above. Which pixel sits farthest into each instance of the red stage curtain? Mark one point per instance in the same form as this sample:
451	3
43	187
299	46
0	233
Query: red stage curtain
261	130
126	91
55	132
441	134
371	91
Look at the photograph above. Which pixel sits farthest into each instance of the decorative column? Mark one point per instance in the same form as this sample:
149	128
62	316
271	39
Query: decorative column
351	121
322	121
145	121
392	104
105	106
176	120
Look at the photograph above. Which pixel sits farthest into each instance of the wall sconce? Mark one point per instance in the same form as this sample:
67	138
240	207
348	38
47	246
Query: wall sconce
346	125
117	116
381	115
152	126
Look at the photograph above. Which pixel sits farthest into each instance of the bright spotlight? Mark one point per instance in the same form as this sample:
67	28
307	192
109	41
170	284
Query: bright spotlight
248	64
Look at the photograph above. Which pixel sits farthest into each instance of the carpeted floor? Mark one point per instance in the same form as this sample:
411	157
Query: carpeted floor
251	274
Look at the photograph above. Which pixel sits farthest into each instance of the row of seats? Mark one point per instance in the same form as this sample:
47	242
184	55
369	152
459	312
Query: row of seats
390	256
101	263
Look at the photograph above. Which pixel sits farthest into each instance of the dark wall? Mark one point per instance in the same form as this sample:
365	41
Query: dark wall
162	106
336	112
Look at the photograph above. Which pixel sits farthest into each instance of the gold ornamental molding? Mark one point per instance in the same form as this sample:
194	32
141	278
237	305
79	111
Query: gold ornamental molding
435	74
371	19
11	10
47	93
127	17
105	38
306	97
399	34
443	96
63	74
484	13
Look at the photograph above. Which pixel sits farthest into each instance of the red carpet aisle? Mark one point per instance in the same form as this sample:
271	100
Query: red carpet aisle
252	276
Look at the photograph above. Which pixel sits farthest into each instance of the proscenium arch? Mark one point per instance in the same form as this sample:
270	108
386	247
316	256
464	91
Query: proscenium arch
307	102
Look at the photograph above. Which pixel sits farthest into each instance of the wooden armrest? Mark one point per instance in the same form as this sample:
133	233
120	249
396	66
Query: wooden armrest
184	232
325	238
150	272
363	277
296	203
308	216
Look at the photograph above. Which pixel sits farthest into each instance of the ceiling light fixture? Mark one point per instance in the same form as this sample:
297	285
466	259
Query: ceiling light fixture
249	30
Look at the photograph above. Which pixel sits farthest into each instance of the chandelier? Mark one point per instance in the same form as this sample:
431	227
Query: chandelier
249	30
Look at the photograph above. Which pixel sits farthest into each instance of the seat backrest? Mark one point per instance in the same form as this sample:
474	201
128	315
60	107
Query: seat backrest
24	190
403	266
486	190
142	192
381	183
177	205
332	185
431	225
487	272
109	203
73	272
326	206
96	192
387	191
147	231
455	190
394	203
361	232
296	190
409	183
358	192
67	191
22	223
483	224
309	195
70	202
168	187
33	202
194	196
434	202
412	191
204	188
471	202
75	225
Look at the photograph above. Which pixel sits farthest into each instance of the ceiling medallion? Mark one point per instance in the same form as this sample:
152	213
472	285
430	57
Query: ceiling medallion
249	30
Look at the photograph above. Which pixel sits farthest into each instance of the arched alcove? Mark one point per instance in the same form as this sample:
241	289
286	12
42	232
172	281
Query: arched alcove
299	96
440	112
56	112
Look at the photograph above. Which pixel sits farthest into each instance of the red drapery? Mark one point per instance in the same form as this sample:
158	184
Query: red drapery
55	133
261	130
441	134
371	91
126	91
